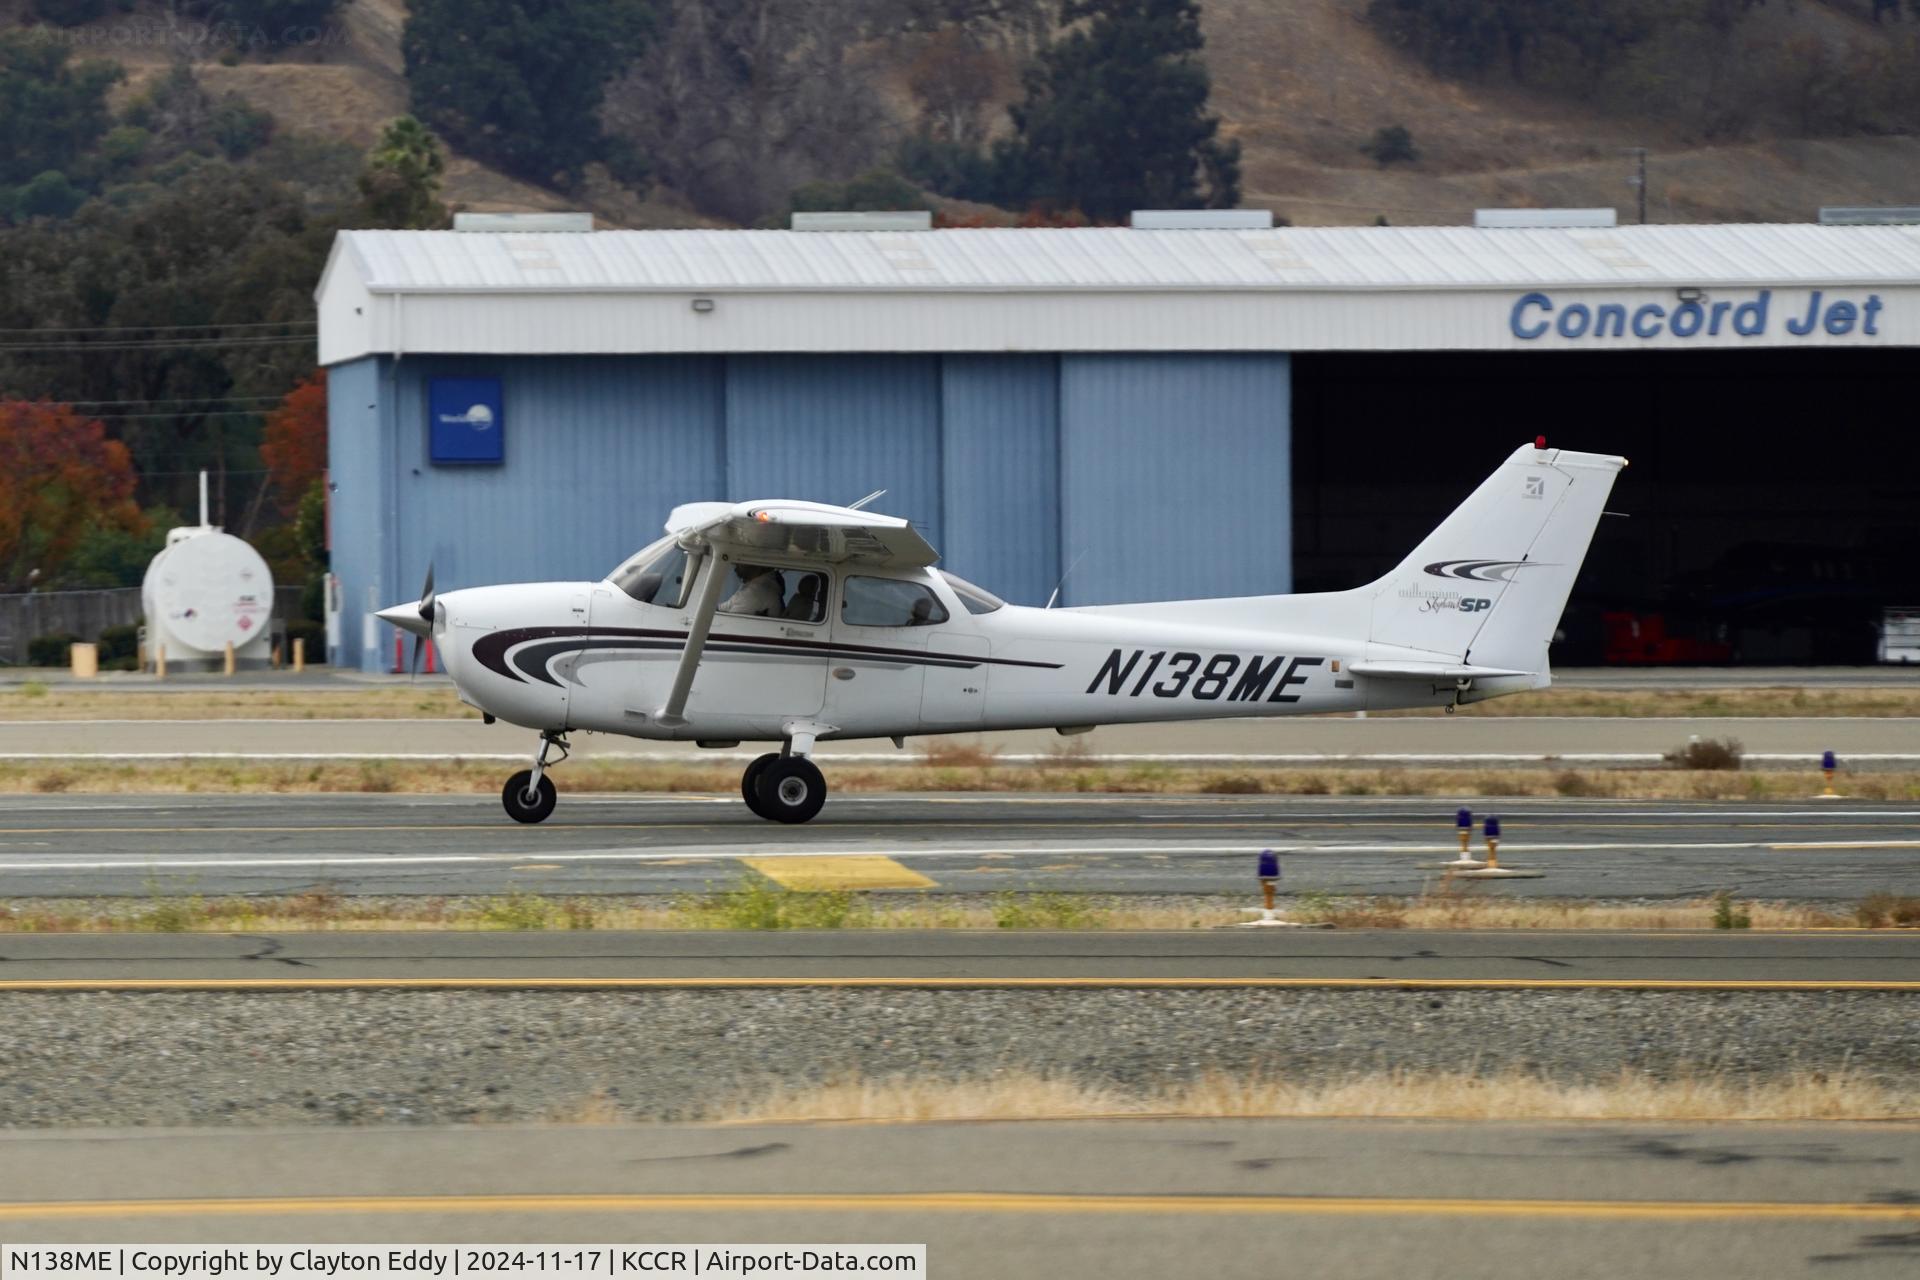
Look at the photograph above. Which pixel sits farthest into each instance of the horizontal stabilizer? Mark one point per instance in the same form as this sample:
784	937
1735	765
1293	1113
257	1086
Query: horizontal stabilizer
1428	671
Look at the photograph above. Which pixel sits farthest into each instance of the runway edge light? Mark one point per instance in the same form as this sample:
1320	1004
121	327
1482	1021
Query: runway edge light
1463	823
1268	871
1828	763
1493	869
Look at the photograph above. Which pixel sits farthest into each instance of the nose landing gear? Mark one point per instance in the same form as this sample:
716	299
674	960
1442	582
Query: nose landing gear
529	795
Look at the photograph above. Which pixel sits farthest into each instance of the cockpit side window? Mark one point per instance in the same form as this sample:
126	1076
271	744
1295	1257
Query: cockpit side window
973	599
890	602
658	575
770	591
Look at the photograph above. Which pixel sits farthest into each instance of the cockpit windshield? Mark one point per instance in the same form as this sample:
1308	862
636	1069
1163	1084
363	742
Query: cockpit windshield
657	575
976	599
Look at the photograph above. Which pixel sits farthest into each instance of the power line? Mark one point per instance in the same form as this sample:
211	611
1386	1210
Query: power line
171	400
160	344
167	328
202	413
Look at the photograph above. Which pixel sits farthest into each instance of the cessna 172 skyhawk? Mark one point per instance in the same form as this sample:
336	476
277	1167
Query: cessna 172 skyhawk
796	623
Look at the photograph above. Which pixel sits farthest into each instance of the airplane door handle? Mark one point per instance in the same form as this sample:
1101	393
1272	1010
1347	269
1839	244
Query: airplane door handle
843	673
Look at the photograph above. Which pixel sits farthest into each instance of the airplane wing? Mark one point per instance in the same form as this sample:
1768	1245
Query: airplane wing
833	535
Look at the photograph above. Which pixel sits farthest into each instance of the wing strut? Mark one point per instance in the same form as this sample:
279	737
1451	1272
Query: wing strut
709	600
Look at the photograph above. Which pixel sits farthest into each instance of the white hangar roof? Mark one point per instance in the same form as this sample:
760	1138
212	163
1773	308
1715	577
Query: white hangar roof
1107	289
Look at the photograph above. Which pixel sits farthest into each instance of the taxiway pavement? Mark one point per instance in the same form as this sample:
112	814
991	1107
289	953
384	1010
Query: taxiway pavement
1068	1200
368	844
612	960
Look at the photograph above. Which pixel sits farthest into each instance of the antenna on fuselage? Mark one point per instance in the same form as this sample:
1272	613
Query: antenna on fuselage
855	506
1063	580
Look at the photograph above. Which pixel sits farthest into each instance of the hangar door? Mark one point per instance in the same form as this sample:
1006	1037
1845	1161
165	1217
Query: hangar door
834	429
1175	476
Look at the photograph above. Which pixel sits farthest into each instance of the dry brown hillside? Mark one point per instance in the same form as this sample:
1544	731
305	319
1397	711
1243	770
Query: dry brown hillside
1301	83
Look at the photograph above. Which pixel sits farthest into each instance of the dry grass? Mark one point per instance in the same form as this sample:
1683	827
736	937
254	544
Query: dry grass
1461	905
753	903
207	701
482	777
1439	1096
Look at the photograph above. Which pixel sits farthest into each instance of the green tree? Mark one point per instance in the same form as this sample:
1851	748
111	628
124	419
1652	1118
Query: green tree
1115	116
400	185
877	189
519	83
214	246
263	22
51	110
49	195
1391	143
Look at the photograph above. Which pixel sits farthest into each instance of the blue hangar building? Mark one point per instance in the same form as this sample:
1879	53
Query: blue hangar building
1119	413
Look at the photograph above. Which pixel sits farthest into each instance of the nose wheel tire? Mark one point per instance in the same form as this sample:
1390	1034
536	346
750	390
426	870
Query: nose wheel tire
750	784
524	802
791	789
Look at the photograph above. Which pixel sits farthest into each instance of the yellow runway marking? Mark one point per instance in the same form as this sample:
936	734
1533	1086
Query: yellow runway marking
960	1202
962	984
842	871
537	866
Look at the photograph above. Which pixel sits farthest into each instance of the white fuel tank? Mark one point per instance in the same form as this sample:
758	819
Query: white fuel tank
206	590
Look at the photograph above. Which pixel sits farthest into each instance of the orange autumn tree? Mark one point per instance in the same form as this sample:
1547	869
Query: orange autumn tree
60	477
294	445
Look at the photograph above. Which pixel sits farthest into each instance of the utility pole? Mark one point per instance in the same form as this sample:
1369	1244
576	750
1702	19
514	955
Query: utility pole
1639	180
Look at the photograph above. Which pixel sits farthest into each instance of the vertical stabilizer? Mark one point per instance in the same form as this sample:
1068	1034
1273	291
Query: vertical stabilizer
1488	586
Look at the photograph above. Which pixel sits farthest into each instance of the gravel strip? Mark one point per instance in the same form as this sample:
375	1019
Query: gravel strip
451	1057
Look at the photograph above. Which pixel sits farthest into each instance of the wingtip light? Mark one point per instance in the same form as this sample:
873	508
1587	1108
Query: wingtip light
1540	442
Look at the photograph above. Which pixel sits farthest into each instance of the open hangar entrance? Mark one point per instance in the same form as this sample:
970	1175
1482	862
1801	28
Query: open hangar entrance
1771	511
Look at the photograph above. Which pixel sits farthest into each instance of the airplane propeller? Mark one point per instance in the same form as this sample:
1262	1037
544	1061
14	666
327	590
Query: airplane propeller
416	619
426	616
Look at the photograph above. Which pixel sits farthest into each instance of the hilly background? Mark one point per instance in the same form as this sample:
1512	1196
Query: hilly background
1301	84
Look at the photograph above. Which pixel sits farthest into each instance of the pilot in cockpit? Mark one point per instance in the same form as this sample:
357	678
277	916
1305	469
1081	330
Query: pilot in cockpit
759	594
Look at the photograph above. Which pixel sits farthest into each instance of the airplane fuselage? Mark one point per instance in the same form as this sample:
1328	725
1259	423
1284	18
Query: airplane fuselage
796	622
608	666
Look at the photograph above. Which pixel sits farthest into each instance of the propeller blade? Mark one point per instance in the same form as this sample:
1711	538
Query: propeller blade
426	596
413	667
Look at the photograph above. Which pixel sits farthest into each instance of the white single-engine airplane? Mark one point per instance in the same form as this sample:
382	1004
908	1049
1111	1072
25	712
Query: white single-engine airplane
797	623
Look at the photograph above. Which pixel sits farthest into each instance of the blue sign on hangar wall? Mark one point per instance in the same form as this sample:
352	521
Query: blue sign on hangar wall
1745	315
466	419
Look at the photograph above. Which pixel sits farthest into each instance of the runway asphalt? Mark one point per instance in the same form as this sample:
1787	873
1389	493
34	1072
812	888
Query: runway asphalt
1770	742
1068	1200
1888	959
392	844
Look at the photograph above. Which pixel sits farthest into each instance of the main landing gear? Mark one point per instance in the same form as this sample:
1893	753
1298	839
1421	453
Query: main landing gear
782	787
529	794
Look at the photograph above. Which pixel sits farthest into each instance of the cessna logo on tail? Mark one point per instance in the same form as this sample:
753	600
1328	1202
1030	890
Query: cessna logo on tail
1479	570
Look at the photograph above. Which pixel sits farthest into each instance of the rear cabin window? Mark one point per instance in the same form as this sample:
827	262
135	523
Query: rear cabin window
889	602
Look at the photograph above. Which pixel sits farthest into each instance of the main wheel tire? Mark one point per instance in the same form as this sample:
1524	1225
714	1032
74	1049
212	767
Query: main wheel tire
750	784
792	789
525	804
